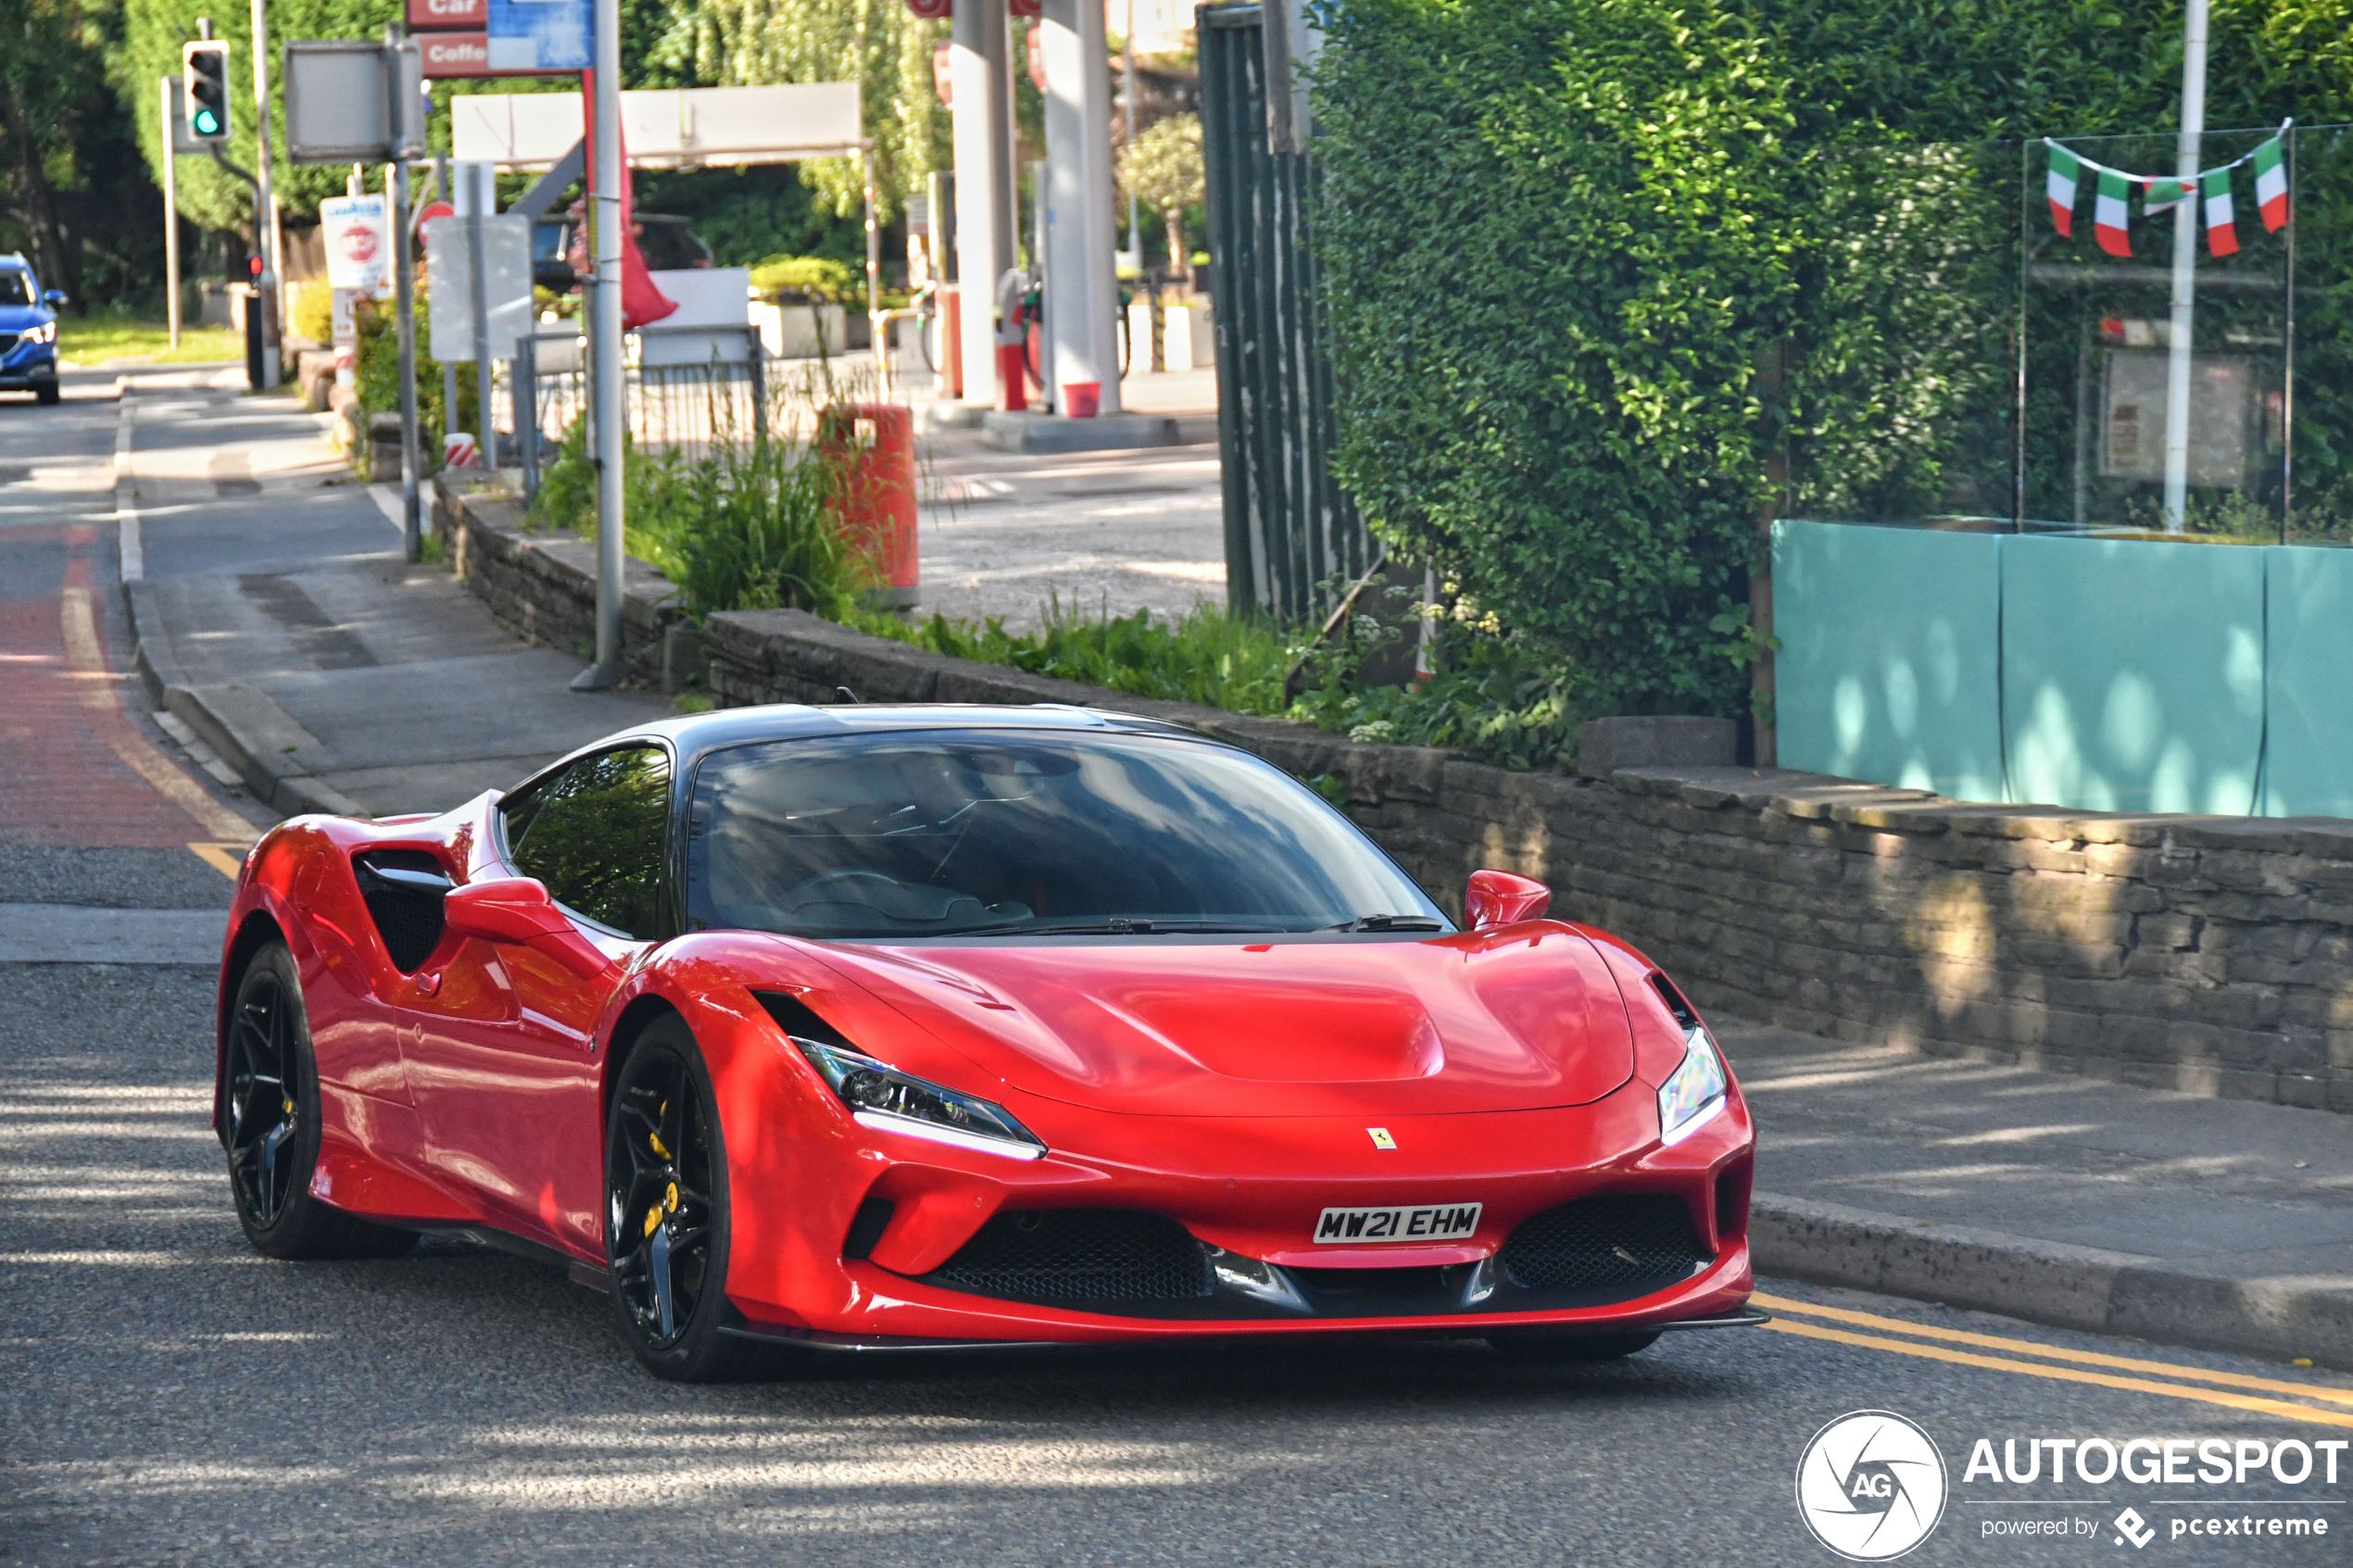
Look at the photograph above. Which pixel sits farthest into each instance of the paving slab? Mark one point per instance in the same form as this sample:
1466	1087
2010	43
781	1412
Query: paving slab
2051	1195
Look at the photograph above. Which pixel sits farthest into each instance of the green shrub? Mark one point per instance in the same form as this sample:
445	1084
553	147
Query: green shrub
818	277
1204	656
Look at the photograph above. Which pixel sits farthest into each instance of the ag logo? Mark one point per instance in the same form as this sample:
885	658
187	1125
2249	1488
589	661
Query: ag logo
1871	1485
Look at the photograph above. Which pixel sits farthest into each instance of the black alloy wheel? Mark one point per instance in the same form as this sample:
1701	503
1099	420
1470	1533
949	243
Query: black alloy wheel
666	1211
270	1124
1558	1345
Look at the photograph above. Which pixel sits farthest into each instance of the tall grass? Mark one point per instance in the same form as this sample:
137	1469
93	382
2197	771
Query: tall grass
1203	656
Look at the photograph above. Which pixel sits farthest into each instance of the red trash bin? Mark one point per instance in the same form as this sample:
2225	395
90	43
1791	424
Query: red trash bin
876	504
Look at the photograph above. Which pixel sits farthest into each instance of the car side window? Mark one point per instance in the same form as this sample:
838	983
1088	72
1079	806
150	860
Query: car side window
599	836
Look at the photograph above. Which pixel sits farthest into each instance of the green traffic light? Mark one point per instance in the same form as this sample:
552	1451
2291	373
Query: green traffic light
208	123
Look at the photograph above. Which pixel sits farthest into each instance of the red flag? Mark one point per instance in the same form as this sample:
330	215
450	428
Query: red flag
641	303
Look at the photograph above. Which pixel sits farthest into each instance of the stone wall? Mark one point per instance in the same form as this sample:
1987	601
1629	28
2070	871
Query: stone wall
2212	955
543	583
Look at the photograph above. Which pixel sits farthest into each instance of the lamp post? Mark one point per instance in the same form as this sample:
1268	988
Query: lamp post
2185	227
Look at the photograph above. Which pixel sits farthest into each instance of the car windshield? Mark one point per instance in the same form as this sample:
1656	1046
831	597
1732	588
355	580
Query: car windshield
1001	835
15	287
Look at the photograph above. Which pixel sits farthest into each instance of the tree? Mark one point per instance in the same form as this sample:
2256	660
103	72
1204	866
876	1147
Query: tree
877	44
58	124
1164	170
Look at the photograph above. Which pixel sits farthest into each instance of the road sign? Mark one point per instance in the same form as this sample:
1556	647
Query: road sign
353	101
427	16
203	70
358	242
534	35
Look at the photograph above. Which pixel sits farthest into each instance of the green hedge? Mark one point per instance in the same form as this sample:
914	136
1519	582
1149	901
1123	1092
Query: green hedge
1610	282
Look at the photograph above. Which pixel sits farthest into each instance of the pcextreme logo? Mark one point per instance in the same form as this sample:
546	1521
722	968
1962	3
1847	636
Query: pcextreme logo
1871	1485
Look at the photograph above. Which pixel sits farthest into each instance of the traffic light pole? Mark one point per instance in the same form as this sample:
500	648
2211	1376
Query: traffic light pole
265	212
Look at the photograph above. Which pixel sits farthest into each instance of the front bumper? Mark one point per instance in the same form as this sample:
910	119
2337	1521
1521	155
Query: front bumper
1247	1191
27	371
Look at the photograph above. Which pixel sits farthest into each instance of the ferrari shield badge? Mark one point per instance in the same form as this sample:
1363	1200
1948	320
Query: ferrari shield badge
1382	1138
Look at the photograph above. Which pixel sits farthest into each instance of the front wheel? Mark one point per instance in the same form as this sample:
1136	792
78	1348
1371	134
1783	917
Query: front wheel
47	393
270	1124
666	1229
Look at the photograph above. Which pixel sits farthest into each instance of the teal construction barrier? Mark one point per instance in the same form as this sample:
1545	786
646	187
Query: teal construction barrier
2133	673
1887	668
2308	670
2097	674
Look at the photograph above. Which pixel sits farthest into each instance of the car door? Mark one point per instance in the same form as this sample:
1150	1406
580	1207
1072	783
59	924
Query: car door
502	1059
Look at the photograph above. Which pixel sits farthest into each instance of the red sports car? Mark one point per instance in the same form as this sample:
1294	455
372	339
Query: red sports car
865	1027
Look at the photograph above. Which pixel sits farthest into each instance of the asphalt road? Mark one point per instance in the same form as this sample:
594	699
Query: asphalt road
168	1398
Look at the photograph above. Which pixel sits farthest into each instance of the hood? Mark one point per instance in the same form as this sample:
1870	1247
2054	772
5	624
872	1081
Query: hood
1467	1022
24	318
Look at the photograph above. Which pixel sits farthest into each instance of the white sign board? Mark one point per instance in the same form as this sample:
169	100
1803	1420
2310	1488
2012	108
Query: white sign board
505	272
358	242
711	324
667	128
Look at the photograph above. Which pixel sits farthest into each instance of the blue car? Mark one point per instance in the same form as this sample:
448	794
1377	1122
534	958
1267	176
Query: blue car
28	331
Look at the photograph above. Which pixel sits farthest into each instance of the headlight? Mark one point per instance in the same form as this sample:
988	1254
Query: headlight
889	1100
46	333
1694	1092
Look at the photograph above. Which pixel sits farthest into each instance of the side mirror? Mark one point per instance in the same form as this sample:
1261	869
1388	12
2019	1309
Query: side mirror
1504	898
506	908
53	298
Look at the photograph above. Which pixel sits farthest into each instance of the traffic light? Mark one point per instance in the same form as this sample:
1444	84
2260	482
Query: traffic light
204	69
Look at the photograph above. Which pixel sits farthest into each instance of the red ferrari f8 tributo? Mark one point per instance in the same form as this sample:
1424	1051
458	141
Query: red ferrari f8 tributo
867	1027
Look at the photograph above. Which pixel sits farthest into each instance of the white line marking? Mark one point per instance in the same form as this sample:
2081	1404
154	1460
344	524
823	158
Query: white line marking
387	500
129	537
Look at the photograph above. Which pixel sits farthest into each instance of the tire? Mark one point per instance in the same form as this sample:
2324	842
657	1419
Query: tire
270	1124
1557	1345
666	1213
47	393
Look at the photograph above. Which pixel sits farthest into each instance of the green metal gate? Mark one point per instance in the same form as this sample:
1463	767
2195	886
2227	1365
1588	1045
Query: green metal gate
1289	526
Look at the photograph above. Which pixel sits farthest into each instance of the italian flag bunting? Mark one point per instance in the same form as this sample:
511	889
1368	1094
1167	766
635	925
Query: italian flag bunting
2111	218
2060	187
2270	185
2221	236
2164	194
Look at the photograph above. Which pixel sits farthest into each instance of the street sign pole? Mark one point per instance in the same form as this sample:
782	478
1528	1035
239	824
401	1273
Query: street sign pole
604	347
485	195
170	212
265	204
404	263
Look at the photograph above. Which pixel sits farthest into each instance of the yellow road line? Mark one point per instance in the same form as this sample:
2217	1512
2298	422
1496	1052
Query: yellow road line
2066	1375
222	858
2027	1346
96	684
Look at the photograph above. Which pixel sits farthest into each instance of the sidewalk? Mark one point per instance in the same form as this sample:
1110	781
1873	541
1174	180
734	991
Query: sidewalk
290	638
2051	1196
292	650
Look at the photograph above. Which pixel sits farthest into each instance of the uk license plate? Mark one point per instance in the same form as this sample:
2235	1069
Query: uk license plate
1429	1222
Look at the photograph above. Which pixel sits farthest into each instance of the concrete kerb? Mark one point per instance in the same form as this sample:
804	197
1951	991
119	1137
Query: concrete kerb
2048	1282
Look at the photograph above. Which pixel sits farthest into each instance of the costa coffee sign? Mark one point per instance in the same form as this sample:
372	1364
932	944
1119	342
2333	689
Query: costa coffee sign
426	15
455	53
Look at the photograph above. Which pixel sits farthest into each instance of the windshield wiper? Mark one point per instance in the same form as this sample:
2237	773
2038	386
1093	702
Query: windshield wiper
1388	923
1121	925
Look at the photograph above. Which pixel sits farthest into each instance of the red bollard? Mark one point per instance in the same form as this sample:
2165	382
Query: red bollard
876	506
1012	378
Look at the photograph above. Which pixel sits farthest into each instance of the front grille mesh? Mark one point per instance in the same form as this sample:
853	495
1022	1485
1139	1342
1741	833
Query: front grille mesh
7	343
1061	1254
1631	1243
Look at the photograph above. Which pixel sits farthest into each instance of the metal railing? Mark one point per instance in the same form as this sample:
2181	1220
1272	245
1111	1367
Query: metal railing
687	387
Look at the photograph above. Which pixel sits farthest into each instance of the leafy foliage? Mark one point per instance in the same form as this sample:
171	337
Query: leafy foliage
819	277
1204	656
877	44
1164	170
1613	280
